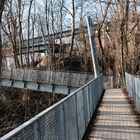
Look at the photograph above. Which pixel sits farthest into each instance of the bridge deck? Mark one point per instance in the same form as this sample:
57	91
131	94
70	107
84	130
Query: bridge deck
116	118
41	80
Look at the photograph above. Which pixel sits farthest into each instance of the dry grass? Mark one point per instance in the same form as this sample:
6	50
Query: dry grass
18	106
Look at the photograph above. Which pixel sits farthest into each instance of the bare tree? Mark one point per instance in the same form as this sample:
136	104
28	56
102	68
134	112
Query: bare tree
73	28
10	28
47	11
20	31
1	11
29	16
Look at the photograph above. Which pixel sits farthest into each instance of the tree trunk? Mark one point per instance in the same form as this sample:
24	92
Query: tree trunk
61	28
49	41
123	33
29	14
20	32
73	28
1	11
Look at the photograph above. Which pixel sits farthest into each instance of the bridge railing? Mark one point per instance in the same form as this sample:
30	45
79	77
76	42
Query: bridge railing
112	82
50	77
133	87
65	120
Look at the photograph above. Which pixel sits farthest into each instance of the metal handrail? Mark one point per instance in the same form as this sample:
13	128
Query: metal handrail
133	88
73	113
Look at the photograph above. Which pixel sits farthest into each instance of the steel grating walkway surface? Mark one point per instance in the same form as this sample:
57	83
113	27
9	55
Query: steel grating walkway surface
116	118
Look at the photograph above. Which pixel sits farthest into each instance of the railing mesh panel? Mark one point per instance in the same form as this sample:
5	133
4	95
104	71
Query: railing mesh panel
6	74
17	74
66	120
44	76
80	113
47	77
70	118
30	75
52	124
133	87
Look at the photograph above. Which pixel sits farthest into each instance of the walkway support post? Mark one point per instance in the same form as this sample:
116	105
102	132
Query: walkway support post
93	47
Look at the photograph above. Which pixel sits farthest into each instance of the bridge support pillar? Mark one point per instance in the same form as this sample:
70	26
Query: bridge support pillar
93	47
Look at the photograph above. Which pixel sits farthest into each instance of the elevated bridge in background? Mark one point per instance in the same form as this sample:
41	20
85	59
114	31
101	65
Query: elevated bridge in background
42	48
58	35
41	44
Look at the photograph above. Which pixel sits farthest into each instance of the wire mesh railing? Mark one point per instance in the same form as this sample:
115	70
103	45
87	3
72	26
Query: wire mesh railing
112	82
133	87
108	82
65	120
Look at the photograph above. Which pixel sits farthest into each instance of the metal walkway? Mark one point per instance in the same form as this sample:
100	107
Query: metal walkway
48	81
116	118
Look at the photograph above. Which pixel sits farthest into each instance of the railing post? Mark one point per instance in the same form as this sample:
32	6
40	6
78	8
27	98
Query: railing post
76	117
64	121
138	89
36	131
89	96
84	105
111	81
93	47
93	99
11	84
24	78
10	75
